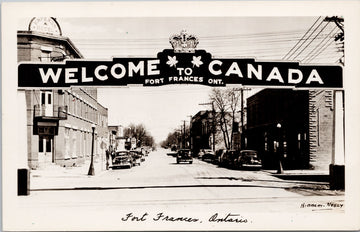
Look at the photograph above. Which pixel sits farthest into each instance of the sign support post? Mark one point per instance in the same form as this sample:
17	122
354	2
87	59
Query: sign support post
337	166
23	172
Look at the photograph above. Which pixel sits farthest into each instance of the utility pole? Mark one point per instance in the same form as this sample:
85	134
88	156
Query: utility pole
340	36
337	166
190	125
213	124
184	137
242	118
242	142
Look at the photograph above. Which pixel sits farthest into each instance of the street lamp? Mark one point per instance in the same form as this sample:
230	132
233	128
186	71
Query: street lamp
279	155
91	168
110	150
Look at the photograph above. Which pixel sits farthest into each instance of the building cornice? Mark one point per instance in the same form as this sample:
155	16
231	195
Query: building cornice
51	37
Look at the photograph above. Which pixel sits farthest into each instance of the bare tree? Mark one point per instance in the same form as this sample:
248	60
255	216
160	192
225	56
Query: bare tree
177	137
226	104
140	133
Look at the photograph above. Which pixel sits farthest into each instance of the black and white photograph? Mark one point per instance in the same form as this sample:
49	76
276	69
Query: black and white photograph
180	116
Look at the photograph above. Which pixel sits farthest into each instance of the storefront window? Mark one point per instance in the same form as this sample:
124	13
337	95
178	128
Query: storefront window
67	144
266	143
73	153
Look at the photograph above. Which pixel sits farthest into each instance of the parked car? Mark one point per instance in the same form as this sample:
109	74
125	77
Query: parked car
137	157
184	155
228	158
173	154
200	154
218	155
145	150
208	155
174	148
249	159
122	159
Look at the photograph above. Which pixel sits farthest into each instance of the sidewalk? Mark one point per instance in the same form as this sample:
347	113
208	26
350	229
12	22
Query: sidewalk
55	176
303	174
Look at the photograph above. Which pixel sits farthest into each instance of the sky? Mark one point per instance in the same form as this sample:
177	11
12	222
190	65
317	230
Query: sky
163	109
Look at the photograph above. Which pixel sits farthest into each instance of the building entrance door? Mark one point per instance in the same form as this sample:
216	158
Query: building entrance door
45	154
47	103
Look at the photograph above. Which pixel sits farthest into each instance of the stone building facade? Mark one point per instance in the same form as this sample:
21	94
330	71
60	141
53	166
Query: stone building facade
321	124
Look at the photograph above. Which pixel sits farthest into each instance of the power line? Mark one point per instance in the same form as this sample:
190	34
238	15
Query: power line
328	36
323	49
302	38
311	41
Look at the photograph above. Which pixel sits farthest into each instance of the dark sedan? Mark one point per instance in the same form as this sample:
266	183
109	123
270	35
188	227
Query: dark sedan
249	159
208	155
184	155
137	156
122	159
229	158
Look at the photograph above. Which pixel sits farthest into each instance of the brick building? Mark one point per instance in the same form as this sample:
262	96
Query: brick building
201	131
296	123
59	121
118	140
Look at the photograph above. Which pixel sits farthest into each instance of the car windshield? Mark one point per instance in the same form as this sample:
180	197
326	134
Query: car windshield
249	153
136	153
184	152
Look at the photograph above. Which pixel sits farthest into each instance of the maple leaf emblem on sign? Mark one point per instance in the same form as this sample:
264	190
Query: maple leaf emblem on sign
196	61
172	61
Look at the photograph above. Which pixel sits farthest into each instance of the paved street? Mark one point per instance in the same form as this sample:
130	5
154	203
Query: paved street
161	185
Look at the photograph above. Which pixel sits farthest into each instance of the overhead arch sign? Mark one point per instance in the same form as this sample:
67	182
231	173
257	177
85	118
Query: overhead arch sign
181	65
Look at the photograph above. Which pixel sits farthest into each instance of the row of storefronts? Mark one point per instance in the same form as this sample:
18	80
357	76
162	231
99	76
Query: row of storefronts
297	124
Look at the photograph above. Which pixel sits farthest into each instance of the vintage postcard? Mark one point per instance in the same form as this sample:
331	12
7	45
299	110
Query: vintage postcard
124	116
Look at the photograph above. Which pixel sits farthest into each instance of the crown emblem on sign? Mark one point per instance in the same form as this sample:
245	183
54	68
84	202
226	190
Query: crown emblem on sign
183	42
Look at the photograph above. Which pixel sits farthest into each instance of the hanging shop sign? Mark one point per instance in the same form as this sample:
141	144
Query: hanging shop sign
181	65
